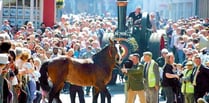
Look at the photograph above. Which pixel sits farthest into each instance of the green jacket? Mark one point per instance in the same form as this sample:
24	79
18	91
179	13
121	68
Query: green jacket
135	78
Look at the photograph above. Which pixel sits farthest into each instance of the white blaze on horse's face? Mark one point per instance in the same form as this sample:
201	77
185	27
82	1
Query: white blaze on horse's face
117	45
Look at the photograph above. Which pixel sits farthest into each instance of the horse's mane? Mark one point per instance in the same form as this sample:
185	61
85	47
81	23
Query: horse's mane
99	57
101	53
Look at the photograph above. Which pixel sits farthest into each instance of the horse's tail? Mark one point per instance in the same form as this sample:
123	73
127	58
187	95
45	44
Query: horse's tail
44	76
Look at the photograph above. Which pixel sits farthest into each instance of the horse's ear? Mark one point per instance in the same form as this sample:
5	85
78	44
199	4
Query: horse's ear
111	41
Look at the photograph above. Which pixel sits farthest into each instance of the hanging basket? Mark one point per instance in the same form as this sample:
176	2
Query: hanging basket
59	4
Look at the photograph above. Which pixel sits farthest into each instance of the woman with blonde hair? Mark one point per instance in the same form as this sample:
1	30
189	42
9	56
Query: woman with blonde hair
23	70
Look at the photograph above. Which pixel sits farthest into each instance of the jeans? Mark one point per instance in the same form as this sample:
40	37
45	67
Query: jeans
38	97
32	90
88	90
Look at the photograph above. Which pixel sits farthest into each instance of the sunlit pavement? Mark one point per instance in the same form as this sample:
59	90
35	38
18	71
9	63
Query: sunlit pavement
116	91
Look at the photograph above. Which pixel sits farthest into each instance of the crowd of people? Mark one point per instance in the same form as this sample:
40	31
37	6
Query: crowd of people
80	36
183	67
188	64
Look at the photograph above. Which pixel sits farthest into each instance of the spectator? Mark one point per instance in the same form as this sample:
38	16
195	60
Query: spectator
204	56
55	52
6	25
70	53
175	42
21	32
42	27
37	65
76	48
179	49
161	59
169	31
3	61
153	22
168	78
31	79
187	87
161	62
88	54
200	78
206	23
12	74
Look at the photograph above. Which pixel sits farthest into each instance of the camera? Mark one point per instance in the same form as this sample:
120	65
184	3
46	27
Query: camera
128	64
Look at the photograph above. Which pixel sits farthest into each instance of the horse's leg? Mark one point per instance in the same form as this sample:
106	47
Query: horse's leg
101	87
95	92
57	96
81	94
102	94
107	94
58	89
55	92
51	95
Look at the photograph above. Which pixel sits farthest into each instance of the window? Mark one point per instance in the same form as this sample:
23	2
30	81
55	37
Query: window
27	3
6	3
19	11
20	3
13	3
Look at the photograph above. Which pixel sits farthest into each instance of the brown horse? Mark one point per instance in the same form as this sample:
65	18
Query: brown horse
95	72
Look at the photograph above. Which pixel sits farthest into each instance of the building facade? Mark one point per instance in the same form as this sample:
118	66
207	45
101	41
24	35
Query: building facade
38	11
202	8
18	12
171	9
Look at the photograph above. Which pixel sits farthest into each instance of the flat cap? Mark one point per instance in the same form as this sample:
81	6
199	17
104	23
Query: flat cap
189	63
136	54
147	53
164	50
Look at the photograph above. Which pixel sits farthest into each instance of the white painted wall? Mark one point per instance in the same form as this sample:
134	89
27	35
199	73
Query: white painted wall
170	9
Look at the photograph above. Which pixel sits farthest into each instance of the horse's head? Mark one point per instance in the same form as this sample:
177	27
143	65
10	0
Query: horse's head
115	51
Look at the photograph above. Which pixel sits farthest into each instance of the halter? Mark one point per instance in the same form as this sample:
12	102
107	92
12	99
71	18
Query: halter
110	54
